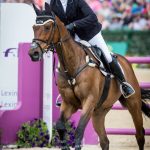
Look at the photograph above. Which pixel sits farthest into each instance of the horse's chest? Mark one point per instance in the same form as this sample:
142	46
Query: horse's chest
68	94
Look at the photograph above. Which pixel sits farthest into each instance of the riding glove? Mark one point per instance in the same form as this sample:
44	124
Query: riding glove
70	27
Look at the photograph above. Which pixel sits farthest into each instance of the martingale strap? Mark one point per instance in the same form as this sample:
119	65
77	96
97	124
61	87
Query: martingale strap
72	79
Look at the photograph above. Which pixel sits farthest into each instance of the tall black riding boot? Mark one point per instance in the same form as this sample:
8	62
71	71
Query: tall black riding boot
126	89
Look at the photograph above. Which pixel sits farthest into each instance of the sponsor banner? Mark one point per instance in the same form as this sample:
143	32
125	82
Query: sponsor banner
8	80
15	27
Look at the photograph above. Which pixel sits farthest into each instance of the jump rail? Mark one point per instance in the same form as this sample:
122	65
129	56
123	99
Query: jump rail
124	131
145	85
139	60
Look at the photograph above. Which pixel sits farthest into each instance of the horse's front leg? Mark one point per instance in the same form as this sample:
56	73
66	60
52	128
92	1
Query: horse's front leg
86	113
65	113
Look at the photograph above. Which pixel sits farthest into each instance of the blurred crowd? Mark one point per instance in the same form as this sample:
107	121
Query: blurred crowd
122	14
116	14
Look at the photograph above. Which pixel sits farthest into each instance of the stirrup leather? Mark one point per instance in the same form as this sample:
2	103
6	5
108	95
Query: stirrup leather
124	93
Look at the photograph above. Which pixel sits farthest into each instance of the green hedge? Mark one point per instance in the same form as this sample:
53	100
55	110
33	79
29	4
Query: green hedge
138	42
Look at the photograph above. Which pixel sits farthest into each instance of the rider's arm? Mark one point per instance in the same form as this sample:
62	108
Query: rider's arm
89	16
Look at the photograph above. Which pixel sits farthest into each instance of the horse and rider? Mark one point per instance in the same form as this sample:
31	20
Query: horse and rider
57	27
81	21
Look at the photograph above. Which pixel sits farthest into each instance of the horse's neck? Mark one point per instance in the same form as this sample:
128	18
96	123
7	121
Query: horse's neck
70	55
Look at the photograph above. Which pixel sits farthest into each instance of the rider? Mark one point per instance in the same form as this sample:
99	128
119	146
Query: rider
81	20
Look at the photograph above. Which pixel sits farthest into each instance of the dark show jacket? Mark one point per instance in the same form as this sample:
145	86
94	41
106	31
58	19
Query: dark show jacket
78	12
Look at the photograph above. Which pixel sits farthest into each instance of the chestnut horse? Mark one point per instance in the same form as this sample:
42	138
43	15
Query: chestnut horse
86	89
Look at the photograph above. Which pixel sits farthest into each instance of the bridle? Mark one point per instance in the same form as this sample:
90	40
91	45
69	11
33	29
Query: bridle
50	45
49	42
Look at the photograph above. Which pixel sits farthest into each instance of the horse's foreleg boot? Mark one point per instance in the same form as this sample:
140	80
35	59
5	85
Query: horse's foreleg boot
60	126
65	147
78	138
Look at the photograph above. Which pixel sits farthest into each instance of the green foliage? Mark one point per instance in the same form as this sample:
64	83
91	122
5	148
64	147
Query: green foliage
33	134
137	41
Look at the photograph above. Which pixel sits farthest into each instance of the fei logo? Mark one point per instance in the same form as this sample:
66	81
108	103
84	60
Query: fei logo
13	52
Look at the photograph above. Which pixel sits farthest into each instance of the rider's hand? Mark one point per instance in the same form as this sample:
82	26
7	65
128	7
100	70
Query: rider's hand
70	27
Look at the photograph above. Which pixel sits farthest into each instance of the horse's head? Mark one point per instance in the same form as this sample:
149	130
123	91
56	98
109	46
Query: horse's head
44	33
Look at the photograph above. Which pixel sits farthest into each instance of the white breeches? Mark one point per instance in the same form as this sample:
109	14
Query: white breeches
98	40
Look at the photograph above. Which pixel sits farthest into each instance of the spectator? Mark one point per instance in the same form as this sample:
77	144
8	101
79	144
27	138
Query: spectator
148	23
105	23
116	23
139	23
94	4
105	9
127	18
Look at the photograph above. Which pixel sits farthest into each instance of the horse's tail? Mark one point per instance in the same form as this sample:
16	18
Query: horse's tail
145	97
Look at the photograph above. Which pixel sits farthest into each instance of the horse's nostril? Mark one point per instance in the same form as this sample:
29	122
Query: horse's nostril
36	54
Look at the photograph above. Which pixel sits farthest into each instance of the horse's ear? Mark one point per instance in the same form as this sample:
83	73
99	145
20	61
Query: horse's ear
47	8
37	11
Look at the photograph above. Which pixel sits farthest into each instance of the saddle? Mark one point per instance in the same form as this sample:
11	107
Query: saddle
99	56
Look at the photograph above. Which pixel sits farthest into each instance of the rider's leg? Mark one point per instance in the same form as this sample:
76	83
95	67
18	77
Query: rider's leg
126	88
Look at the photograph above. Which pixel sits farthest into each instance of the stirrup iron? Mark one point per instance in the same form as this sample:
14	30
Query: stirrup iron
125	94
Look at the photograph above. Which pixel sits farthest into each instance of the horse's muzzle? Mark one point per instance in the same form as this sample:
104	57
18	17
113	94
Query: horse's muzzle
35	52
35	56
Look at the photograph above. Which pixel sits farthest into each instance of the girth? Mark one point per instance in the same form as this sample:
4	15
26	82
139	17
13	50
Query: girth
72	79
